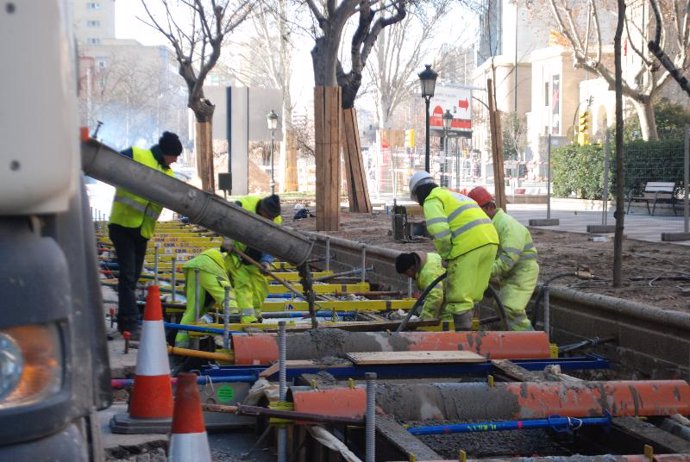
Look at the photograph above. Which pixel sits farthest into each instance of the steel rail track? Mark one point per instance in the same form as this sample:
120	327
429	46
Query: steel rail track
649	342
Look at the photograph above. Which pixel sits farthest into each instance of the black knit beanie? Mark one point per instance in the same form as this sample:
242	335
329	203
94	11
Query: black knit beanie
405	261
271	205
170	144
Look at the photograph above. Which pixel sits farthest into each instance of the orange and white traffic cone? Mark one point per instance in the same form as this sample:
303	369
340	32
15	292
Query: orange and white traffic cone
188	439
151	402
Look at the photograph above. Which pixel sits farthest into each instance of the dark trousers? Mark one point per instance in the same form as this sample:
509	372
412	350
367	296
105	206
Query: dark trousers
130	247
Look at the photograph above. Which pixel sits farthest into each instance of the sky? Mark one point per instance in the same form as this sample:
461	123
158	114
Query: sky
127	26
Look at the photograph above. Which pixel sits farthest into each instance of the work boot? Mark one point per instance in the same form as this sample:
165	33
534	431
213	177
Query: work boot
463	321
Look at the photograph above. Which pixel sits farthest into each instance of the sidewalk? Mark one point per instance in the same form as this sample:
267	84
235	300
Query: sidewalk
575	215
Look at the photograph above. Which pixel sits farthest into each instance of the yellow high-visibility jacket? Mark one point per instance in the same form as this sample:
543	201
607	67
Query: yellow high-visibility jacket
457	224
132	211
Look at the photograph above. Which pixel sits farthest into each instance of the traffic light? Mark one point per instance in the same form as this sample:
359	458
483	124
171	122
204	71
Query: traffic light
583	129
409	138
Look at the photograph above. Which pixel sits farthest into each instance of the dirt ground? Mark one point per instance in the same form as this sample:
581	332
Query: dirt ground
656	274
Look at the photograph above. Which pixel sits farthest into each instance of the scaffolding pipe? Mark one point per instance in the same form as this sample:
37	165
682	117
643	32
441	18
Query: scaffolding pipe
556	423
262	348
532	400
201	380
282	391
224	357
203	208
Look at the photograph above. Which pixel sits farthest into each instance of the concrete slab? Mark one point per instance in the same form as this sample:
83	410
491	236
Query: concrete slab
673	237
601	229
544	222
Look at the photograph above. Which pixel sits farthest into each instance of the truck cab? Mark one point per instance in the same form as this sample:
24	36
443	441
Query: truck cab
54	371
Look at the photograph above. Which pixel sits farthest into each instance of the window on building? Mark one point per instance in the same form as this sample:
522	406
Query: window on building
546	93
93	6
93	23
93	41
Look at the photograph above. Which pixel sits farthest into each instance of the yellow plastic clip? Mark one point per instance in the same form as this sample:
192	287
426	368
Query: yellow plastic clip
281	406
649	451
314	384
351	383
475	324
462	455
553	350
412	458
490	380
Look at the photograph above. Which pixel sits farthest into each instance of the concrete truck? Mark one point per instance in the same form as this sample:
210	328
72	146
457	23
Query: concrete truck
54	371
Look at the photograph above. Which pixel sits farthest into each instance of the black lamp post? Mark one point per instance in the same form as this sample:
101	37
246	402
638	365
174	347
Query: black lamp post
272	122
427	80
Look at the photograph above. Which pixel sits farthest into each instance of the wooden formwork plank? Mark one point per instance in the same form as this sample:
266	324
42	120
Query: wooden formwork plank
358	193
414	357
327	137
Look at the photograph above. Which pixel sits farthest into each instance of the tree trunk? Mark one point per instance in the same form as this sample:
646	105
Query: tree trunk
204	151
620	154
645	112
357	190
327	136
496	148
290	161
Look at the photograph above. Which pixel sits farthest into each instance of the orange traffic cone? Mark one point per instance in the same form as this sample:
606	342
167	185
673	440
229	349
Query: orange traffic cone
188	439
151	402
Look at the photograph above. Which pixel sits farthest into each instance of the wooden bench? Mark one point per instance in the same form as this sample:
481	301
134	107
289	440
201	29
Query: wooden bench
656	192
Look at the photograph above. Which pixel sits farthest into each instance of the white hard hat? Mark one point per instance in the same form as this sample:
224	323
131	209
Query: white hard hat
418	179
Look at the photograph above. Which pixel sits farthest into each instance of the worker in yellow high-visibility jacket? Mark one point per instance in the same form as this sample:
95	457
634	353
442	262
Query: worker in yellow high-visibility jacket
249	281
424	268
465	239
132	223
212	266
515	269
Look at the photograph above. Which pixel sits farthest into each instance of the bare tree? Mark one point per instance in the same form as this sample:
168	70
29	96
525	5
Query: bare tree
273	23
581	24
197	43
331	18
133	97
398	56
655	47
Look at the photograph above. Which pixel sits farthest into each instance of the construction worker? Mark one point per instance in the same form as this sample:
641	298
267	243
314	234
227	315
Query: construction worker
249	280
212	266
424	268
464	238
132	223
515	269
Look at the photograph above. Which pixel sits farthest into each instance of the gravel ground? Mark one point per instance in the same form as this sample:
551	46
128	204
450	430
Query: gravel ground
657	274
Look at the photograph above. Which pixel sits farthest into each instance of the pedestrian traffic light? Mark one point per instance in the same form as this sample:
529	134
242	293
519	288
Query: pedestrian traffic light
583	129
409	138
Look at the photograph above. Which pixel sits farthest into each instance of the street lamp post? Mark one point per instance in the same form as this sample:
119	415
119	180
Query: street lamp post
427	80
447	124
272	122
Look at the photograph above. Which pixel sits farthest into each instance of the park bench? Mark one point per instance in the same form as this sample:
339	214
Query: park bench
656	192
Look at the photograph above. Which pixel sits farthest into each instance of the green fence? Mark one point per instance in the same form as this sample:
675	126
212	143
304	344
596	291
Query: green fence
579	170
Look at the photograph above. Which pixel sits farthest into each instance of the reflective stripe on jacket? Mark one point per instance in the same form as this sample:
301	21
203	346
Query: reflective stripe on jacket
516	244
457	224
132	211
